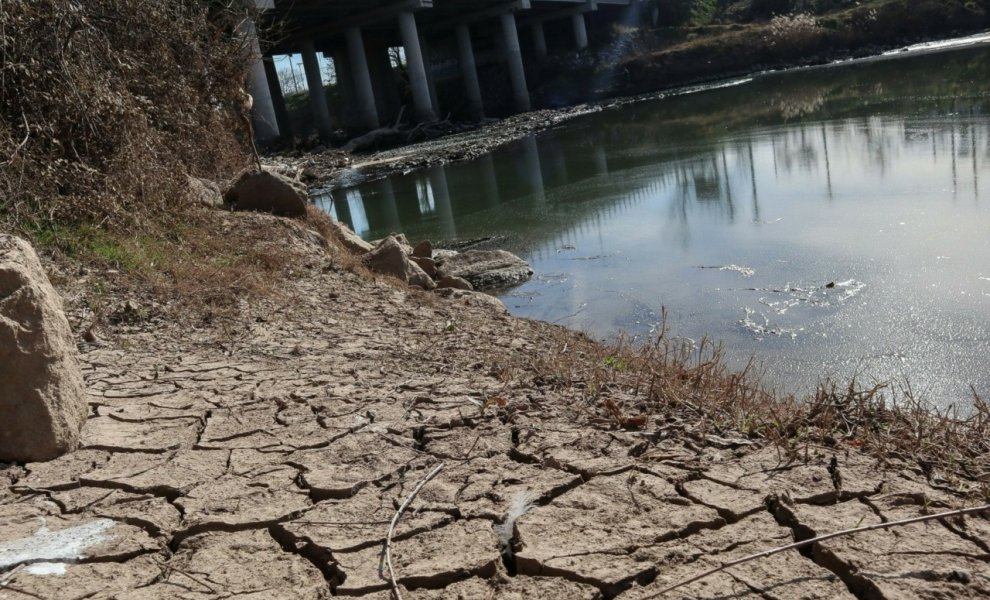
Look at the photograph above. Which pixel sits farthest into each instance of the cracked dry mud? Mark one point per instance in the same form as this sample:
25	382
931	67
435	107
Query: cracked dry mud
266	458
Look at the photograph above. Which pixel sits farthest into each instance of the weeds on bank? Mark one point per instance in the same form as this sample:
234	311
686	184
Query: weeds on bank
105	106
631	385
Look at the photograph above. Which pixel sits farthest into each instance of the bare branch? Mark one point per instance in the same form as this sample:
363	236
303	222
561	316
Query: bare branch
821	538
395	520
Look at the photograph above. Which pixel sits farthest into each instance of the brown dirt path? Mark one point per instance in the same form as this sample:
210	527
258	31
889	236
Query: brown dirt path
265	456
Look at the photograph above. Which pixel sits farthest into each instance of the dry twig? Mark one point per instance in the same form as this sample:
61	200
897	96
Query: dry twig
9	575
395	521
821	538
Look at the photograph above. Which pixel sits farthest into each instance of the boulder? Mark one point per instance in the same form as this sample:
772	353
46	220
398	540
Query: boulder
427	264
350	240
456	283
400	238
423	249
440	254
264	191
486	268
389	258
474	299
42	396
204	192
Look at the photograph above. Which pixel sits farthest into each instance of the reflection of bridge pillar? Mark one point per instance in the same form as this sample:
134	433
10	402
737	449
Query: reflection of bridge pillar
513	57
600	158
558	164
416	68
362	78
533	170
489	180
580	31
317	95
441	196
341	207
263	110
278	100
389	209
469	72
539	40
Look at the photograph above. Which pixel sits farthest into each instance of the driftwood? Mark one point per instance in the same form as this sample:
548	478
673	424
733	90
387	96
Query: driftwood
372	138
383	135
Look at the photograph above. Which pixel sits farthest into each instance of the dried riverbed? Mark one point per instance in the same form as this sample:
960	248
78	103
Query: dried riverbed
264	455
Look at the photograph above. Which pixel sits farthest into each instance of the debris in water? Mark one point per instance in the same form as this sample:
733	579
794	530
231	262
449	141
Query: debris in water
744	271
764	329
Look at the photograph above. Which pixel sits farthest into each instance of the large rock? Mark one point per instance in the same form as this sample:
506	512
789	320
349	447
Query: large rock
469	298
350	240
423	249
427	264
42	401
400	238
390	258
268	192
204	192
485	268
456	283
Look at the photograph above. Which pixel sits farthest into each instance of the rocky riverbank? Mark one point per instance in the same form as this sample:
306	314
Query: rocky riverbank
265	454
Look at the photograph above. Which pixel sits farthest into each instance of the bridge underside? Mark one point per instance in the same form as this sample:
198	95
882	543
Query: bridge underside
476	51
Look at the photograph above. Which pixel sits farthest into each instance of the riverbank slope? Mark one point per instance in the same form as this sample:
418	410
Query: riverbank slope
269	449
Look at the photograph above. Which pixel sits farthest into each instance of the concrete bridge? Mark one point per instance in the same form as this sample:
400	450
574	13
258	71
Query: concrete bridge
477	50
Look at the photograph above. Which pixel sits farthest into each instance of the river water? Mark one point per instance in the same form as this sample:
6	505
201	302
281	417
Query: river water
829	221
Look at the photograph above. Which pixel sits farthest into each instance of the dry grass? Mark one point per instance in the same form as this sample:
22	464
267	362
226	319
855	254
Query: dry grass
633	386
106	105
206	270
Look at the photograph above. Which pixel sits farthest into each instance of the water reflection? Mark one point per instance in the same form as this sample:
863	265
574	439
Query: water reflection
852	177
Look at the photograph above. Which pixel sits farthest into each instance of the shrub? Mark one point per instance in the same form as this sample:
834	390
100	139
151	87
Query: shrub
686	12
106	104
792	31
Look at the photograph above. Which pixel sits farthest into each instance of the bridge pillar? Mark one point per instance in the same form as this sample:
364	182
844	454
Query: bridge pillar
424	46
513	56
278	100
469	72
416	68
362	78
317	94
539	41
347	105
263	116
580	31
383	82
